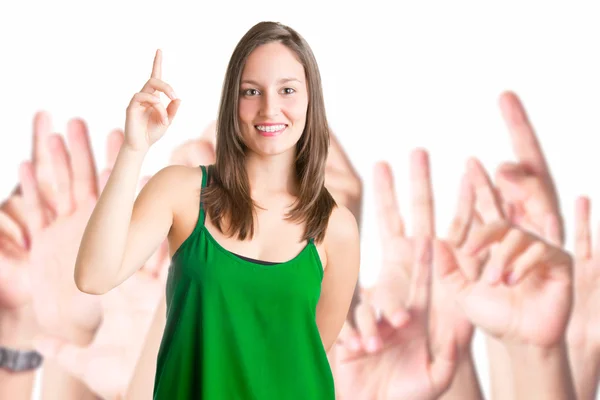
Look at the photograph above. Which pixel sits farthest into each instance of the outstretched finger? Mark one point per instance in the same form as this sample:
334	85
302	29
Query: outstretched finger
82	161
422	195
63	175
388	214
420	285
459	228
157	65
583	241
42	127
487	199
524	140
35	213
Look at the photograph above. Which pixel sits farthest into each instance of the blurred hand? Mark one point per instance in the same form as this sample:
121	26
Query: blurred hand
527	184
524	294
107	364
61	309
447	325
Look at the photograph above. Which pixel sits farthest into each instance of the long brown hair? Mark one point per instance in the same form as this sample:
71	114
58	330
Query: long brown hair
228	196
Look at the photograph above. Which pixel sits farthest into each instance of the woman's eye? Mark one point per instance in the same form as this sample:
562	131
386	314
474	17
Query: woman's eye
250	92
289	91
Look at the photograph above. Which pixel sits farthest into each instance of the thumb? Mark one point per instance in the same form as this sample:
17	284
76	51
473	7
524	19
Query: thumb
69	356
443	367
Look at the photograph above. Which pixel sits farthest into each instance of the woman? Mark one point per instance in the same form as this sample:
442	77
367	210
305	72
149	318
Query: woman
264	263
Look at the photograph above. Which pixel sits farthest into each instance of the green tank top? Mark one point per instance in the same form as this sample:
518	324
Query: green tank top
238	329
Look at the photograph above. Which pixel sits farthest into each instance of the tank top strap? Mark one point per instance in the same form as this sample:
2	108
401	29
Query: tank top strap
202	216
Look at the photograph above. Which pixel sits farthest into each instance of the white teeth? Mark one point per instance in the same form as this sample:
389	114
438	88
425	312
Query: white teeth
270	128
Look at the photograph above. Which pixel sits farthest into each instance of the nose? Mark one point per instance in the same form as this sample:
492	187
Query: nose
270	106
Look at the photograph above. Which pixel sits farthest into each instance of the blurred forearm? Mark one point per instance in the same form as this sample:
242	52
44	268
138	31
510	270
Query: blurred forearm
465	385
501	381
585	367
541	373
16	332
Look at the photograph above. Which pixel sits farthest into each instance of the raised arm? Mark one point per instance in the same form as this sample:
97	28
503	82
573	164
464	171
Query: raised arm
122	234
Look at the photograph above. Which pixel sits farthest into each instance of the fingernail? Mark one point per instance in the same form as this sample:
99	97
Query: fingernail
173	96
493	274
512	278
373	344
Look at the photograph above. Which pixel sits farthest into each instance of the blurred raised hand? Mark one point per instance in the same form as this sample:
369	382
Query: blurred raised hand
16	264
527	189
61	309
523	297
446	325
385	359
583	333
107	364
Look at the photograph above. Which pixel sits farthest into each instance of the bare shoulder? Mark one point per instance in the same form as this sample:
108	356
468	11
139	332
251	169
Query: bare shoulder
167	188
342	230
174	179
174	173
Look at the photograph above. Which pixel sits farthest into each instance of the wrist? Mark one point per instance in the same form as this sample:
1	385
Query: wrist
541	370
525	352
132	152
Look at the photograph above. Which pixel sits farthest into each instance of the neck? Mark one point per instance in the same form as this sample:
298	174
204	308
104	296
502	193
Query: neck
272	173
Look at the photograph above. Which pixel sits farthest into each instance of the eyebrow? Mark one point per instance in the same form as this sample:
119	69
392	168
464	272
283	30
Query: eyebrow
279	82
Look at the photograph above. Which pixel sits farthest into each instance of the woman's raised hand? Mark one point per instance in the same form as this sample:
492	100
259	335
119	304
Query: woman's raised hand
147	118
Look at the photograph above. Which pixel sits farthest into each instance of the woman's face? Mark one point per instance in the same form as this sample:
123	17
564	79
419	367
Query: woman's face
273	100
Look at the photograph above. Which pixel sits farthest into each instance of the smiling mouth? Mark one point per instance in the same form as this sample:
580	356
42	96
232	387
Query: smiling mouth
270	130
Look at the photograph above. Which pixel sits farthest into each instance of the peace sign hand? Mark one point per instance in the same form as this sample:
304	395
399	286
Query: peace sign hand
147	119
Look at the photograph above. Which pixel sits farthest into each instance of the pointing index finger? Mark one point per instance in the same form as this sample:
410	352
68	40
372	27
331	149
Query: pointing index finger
157	67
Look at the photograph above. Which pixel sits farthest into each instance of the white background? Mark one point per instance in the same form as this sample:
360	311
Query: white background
396	75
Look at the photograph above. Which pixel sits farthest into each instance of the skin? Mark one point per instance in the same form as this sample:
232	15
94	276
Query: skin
583	335
19	292
381	364
527	187
175	211
522	298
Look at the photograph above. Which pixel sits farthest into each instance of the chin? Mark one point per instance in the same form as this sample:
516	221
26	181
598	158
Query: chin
273	146
272	149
